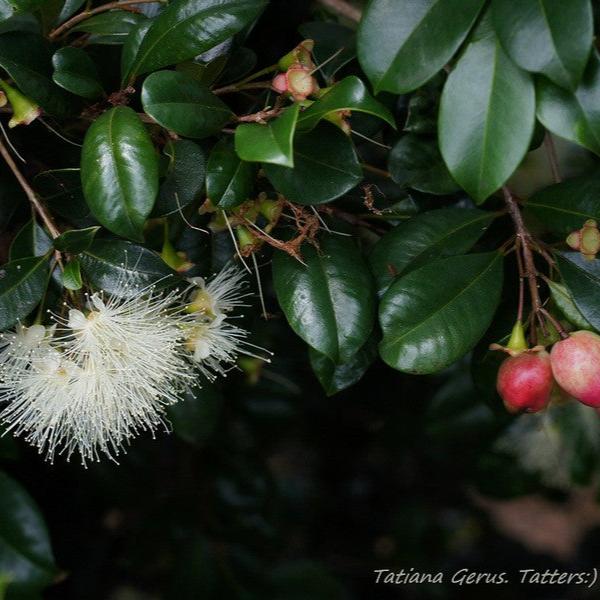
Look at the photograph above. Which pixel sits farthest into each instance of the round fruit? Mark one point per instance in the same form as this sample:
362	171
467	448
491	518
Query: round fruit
525	381
576	366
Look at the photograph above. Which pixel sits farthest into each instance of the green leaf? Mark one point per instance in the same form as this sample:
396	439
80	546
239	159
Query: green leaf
565	303
76	240
119	172
539	36
187	28
75	71
195	418
417	163
131	46
330	39
183	105
25	552
185	177
229	180
425	237
434	315
22	285
566	206
325	167
31	240
582	278
108	263
270	143
71	276
486	120
69	8
574	116
349	94
402	43
329	302
111	27
27	58
335	378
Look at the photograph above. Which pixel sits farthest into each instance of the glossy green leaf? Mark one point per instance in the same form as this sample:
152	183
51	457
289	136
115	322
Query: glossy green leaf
31	240
434	315
27	58
187	28
416	162
109	263
229	180
566	206
574	116
335	378
334	43
330	301
69	8
545	36
119	172
185	177
76	240
425	237
349	94
486	119
111	27
25	553
565	303
71	276
582	278
403	43
270	143
22	285
131	46
325	167
75	71
183	105
195	417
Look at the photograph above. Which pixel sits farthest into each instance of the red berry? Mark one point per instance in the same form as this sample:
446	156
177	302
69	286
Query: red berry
525	381
576	366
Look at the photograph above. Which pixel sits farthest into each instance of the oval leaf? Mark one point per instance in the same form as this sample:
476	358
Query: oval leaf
112	27
119	172
565	303
325	167
187	28
183	105
538	36
71	276
486	119
75	71
329	302
31	240
270	143
22	285
349	94
431	235
574	115
433	316
402	43
76	240
229	180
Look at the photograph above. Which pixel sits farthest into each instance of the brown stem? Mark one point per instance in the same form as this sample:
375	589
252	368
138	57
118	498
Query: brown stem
376	170
238	87
261	116
343	8
31	195
524	244
561	331
552	158
521	280
82	16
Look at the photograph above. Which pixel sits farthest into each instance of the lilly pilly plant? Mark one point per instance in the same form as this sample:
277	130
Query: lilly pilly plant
400	191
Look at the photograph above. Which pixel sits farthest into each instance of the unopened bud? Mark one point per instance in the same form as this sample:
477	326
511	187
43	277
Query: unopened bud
301	54
24	110
586	240
300	82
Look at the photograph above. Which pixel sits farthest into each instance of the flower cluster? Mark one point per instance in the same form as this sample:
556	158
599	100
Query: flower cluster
105	373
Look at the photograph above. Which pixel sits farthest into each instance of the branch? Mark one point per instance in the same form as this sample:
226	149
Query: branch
342	8
82	16
31	195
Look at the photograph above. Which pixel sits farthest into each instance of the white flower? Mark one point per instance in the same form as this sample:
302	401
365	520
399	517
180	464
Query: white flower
18	347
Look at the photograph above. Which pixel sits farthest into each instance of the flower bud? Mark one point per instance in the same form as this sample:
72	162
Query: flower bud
576	366
300	82
586	239
301	54
24	110
279	83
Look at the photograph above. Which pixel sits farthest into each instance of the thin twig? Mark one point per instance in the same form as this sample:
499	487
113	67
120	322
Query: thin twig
238	87
376	170
552	157
86	14
31	195
343	8
561	331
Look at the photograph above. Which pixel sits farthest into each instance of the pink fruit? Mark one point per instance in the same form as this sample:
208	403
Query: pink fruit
279	83
576	366
525	381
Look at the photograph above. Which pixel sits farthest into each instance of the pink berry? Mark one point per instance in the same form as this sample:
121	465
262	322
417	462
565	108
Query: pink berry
525	381
576	366
279	83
